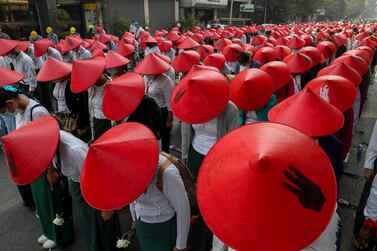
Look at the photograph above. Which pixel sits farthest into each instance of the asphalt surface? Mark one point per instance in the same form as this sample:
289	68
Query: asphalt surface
19	228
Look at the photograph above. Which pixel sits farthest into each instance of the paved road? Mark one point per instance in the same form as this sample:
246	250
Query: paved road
19	228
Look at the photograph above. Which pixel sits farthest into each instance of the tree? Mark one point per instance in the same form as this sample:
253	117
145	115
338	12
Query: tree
355	8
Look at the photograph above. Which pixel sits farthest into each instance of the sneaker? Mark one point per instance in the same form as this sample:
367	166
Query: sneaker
41	240
49	244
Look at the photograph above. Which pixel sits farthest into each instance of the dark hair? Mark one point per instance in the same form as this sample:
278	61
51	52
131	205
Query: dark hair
244	57
7	94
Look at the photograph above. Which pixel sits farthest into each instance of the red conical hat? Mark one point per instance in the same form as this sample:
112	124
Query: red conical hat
327	48
338	91
340	40
25	161
188	43
173	36
265	55
279	72
202	89
222	43
53	69
81	80
98	46
165	45
205	50
126	49
248	48
23	46
115	60
367	49
343	70
122	96
9	77
298	63
313	53
296	43
309	113
152	65
258	39
252	174
116	170
251	89
368	42
282	51
185	60
355	62
41	46
359	53
216	60
231	52
163	57
202	67
98	53
104	38
198	37
71	43
6	45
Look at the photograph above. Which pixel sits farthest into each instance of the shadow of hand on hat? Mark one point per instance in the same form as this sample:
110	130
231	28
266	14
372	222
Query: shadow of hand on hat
308	193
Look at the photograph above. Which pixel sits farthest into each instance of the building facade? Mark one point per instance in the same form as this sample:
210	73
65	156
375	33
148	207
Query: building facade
19	17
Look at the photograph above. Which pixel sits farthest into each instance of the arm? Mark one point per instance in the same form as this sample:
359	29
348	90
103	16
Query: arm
185	143
30	75
175	192
167	88
371	153
232	117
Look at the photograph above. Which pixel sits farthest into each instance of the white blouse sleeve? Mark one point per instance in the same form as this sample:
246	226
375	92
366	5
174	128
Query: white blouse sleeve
371	153
167	88
175	192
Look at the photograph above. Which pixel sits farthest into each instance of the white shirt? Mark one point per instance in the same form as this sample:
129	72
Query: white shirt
95	101
154	50
251	117
83	53
59	94
38	61
232	66
23	119
69	57
25	65
243	67
170	54
297	83
327	240
73	152
205	136
52	52
160	88
157	207
5	62
356	110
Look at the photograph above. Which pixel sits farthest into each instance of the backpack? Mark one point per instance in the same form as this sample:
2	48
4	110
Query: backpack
185	173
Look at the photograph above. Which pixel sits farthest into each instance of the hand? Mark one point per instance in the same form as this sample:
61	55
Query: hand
52	177
309	193
133	226
368	174
107	215
81	132
176	249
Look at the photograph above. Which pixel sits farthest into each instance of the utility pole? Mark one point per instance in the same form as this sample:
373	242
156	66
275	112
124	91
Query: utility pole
231	12
265	11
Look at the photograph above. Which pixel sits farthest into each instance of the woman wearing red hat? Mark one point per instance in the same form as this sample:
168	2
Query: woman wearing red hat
159	87
156	194
49	198
203	123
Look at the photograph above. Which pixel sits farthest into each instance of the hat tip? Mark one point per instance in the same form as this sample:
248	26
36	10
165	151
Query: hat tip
260	163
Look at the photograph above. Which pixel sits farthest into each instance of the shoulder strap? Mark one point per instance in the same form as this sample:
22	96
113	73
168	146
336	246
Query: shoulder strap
160	173
32	109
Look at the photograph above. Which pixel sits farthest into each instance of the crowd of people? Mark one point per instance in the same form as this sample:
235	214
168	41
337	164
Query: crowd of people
266	113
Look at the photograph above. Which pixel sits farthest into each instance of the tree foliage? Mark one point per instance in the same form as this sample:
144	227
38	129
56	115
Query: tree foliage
285	11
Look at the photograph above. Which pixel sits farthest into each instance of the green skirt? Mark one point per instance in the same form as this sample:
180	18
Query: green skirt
99	235
194	162
157	236
49	203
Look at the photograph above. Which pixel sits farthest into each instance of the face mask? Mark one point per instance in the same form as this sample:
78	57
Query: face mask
112	71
